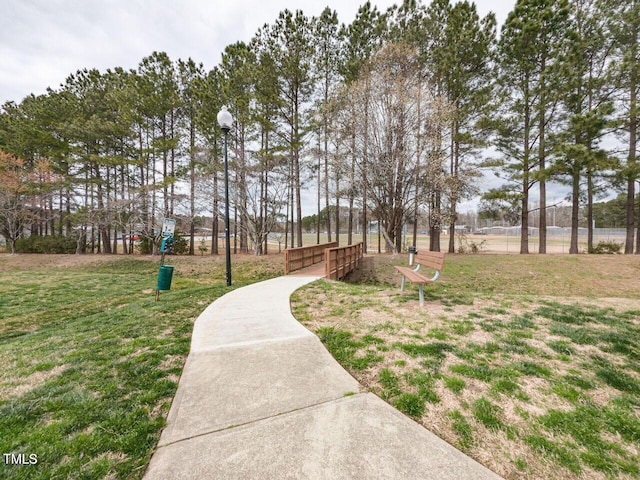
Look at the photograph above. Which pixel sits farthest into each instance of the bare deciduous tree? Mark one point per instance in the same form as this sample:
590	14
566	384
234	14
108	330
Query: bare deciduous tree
402	113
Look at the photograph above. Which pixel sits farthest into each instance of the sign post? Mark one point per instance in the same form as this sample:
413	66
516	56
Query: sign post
166	272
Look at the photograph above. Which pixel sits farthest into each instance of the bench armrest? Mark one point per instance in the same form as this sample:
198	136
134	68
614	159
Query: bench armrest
434	278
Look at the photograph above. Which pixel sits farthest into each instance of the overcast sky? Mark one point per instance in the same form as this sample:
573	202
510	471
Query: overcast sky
43	41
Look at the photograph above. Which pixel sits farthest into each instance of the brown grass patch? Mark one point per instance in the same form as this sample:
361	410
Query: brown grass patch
18	386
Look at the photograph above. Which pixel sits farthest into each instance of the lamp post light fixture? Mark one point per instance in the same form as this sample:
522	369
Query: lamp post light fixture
225	120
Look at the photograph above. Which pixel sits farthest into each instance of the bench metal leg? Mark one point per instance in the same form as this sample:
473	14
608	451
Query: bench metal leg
421	287
402	284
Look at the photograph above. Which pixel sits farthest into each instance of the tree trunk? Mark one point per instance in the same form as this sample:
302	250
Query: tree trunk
630	215
416	180
590	226
389	246
524	219
352	181
524	222
398	234
633	132
296	166
638	231
326	183
292	200
365	161
266	190
434	223
259	247
173	164
319	192
80	242
214	224
575	210
244	224
103	237
192	186
235	227
337	222
542	239
125	248
288	204
454	193
165	163
298	201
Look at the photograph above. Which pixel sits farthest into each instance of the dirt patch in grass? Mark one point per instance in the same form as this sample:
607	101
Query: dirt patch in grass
18	386
530	382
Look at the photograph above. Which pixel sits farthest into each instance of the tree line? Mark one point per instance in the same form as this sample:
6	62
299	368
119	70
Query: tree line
393	117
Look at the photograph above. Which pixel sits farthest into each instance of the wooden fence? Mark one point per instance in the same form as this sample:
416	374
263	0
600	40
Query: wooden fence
301	257
339	261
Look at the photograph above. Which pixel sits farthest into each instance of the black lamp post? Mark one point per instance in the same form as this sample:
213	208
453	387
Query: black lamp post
225	120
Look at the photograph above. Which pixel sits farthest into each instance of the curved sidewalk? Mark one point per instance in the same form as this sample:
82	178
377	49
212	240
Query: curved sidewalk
261	398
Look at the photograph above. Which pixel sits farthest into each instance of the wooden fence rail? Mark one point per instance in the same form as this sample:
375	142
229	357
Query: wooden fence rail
301	257
339	261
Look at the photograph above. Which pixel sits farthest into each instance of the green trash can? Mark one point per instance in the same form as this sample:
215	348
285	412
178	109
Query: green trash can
164	277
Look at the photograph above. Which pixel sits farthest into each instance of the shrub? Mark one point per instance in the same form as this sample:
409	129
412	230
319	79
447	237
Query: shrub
470	246
180	245
146	245
202	248
609	247
48	244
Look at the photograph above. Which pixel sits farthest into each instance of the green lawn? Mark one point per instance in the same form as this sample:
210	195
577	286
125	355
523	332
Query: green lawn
91	362
530	364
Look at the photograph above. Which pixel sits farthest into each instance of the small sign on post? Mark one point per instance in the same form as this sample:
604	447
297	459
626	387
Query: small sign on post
168	227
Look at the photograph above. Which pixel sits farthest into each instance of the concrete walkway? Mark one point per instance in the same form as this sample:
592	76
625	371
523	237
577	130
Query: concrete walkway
261	398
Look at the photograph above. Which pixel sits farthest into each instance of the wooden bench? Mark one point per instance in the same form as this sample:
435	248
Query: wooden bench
433	260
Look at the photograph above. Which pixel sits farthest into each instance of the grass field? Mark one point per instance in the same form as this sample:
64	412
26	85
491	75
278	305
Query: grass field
530	364
556	243
90	362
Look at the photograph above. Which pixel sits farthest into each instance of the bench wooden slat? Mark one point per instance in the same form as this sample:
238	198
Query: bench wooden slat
413	277
433	260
